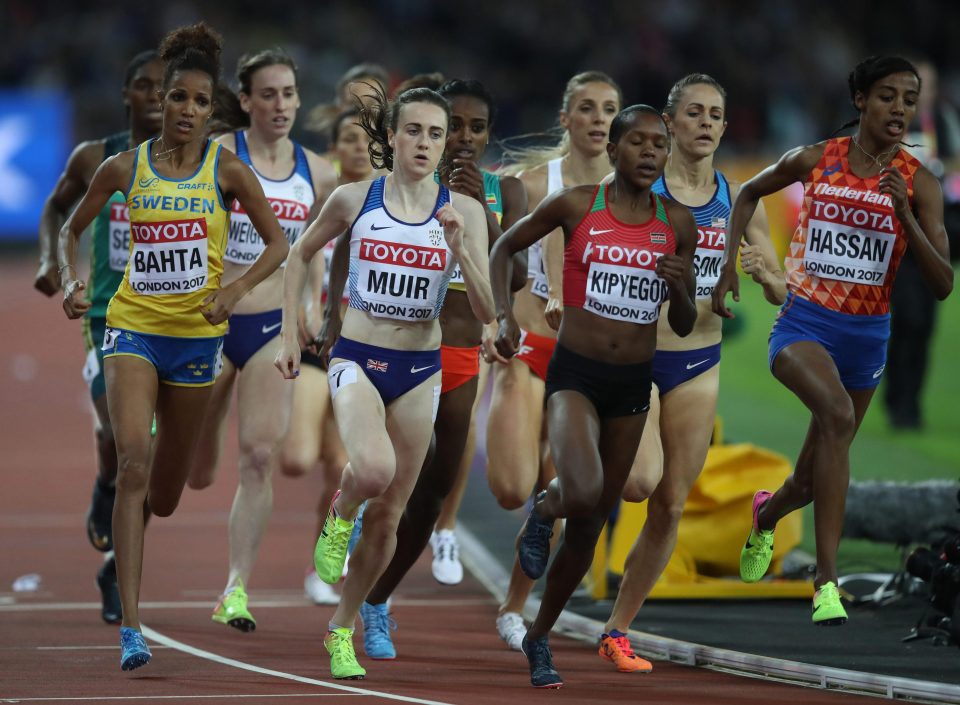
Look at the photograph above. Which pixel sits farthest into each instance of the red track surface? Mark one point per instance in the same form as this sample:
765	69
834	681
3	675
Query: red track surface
54	648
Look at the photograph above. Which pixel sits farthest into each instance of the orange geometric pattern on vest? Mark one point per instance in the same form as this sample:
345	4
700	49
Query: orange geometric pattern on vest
833	170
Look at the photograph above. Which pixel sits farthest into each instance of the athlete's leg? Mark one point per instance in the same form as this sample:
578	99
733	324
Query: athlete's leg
106	445
301	446
263	401
647	470
686	424
807	370
408	427
435	481
132	396
593	460
206	460
516	411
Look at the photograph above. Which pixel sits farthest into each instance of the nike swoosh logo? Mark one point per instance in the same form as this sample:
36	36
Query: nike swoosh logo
697	364
415	369
267	329
594	231
380	227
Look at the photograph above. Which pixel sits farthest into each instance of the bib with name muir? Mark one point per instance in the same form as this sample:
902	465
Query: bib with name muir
848	244
398	270
177	238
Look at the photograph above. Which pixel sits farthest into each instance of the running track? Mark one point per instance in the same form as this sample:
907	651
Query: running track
55	649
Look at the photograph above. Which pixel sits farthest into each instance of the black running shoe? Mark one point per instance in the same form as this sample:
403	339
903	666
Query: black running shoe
533	544
543	674
100	517
110	608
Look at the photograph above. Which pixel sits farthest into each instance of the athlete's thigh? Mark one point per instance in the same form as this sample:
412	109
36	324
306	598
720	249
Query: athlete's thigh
263	399
311	401
205	461
409	421
452	428
806	369
574	430
646	470
687	416
131	399
513	432
360	414
180	415
618	443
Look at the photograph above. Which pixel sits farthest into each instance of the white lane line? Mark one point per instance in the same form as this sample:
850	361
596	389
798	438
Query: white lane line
156	636
207	604
102	698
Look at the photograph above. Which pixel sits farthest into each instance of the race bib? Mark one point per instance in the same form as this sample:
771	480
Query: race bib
849	243
622	283
709	256
119	236
537	272
244	244
169	257
341	375
402	281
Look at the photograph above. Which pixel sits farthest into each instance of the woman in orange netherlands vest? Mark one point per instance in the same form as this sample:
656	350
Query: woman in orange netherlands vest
166	322
627	252
865	201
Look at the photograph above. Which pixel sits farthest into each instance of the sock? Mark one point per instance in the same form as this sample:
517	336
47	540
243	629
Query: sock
334	627
616	633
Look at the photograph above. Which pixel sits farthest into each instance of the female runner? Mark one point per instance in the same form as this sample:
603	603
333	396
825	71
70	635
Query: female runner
686	371
865	201
627	251
407	234
515	463
296	182
166	321
108	259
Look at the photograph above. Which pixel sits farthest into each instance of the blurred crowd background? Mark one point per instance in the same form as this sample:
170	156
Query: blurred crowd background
784	64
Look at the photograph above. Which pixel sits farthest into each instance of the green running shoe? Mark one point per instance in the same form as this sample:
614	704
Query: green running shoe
343	660
232	610
331	551
827	609
758	550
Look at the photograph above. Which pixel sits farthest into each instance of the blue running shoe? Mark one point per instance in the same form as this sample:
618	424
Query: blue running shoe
134	651
357	530
533	544
543	674
377	626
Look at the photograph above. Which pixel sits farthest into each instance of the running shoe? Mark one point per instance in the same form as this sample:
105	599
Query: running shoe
232	610
511	629
758	550
318	591
543	674
100	517
343	660
533	544
827	608
134	651
110	609
377	626
331	551
615	647
446	567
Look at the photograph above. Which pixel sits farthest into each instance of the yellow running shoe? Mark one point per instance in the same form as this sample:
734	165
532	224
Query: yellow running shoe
343	659
331	551
232	610
758	550
827	609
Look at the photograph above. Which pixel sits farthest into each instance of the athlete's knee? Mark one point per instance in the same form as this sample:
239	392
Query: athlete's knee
640	488
664	511
256	463
132	474
371	478
161	505
380	522
581	535
582	500
837	419
508	495
104	434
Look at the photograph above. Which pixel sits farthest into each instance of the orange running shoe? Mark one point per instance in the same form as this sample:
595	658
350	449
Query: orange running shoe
615	647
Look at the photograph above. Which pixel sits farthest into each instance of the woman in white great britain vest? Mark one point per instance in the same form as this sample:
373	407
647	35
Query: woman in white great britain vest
686	371
517	463
627	252
295	181
406	236
866	200
312	441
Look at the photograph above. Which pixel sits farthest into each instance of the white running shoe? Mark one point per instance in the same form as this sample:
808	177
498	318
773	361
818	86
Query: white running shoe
511	629
447	568
318	591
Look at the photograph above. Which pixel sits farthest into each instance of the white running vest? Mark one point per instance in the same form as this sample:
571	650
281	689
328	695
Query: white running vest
535	266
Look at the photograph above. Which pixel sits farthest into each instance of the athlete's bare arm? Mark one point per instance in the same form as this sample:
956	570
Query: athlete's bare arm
677	270
465	229
758	258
